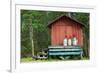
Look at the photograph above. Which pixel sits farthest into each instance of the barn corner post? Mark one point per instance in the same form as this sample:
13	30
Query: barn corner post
31	35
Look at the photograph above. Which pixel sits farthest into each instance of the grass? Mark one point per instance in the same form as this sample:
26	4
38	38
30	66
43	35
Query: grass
30	59
85	58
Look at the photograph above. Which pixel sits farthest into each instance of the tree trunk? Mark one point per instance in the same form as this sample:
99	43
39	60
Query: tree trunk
86	44
31	36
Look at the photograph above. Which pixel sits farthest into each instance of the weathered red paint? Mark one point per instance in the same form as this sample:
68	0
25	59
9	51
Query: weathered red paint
65	26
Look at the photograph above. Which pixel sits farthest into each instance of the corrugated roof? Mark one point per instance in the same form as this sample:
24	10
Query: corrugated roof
49	25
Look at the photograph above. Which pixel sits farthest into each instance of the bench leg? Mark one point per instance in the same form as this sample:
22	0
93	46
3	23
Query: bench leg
81	55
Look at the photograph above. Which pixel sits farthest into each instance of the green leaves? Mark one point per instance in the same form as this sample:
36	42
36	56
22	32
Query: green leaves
41	35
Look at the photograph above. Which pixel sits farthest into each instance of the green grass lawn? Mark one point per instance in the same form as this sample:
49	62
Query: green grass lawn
30	59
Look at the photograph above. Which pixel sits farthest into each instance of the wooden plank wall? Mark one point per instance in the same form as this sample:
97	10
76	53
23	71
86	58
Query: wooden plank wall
65	27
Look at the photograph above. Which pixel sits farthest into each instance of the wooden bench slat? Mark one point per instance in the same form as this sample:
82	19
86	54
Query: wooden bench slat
65	53
64	49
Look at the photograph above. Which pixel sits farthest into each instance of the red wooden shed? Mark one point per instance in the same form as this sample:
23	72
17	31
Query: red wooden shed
63	26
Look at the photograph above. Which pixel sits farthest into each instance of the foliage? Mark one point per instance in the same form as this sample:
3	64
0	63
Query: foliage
40	20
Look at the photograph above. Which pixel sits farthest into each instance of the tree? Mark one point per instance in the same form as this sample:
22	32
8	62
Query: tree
35	34
27	18
31	35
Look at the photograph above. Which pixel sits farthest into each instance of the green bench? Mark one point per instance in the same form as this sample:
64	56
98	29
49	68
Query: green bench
65	51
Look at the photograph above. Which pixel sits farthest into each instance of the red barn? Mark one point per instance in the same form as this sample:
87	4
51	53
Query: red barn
63	26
